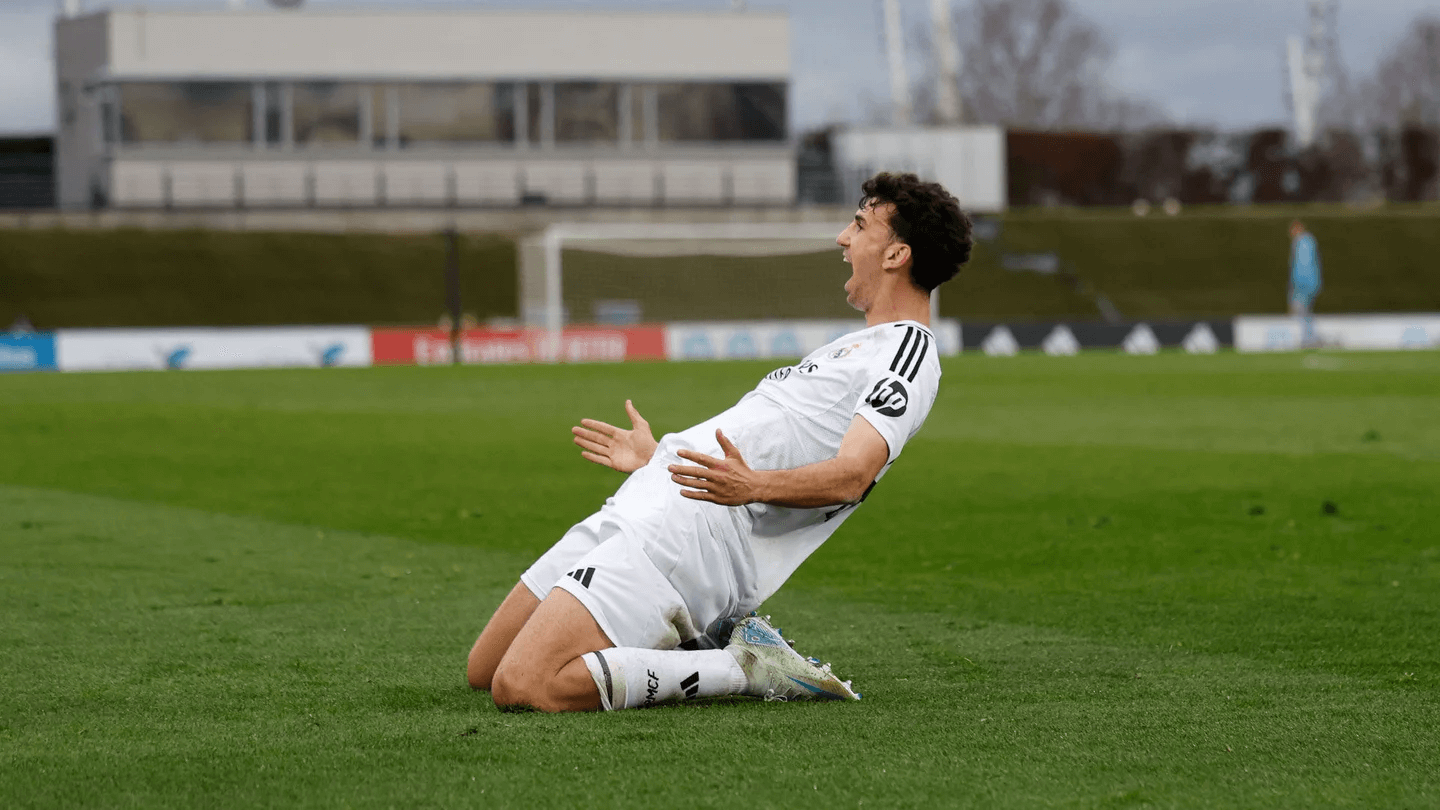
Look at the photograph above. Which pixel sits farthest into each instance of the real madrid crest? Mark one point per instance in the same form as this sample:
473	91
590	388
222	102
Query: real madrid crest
843	351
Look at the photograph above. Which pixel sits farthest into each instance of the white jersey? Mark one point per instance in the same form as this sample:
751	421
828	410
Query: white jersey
726	559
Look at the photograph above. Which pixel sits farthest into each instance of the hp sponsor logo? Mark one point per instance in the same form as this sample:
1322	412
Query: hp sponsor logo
888	397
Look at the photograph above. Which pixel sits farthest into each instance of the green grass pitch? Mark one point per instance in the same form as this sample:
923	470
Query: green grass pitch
1096	581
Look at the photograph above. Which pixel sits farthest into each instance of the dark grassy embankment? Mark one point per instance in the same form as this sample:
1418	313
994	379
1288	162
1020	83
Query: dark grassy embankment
1218	262
1214	262
75	278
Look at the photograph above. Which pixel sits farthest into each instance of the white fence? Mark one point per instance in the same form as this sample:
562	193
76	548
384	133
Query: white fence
260	183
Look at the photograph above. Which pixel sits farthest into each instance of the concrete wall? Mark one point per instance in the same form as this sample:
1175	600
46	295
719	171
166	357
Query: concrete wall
466	44
968	161
82	50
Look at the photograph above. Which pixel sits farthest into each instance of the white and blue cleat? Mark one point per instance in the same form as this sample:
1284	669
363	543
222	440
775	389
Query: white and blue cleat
776	672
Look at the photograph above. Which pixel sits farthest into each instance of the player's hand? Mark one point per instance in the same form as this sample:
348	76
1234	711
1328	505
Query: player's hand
728	481
613	447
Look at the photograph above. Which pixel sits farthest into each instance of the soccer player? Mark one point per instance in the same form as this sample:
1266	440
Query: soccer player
1304	280
641	602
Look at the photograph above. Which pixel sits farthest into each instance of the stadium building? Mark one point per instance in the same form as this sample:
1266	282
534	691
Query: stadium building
258	107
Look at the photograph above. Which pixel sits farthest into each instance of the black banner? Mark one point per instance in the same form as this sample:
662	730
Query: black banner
1098	334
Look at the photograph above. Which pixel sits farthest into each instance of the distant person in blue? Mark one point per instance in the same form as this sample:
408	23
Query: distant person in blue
1304	280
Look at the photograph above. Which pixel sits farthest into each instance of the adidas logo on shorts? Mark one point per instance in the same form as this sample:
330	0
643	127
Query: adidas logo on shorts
582	575
691	685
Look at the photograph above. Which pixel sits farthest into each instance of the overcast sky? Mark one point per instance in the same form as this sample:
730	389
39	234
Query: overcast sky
1206	62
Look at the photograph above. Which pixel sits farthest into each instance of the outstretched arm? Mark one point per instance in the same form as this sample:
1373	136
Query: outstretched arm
613	447
840	480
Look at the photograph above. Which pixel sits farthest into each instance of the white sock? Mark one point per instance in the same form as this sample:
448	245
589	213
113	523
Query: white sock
631	677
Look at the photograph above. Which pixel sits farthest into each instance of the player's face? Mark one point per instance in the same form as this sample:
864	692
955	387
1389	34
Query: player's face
867	243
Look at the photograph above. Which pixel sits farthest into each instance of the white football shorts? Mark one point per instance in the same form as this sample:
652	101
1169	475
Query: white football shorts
615	580
651	572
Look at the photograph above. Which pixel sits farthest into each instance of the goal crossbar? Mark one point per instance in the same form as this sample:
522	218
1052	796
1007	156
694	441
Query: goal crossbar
674	239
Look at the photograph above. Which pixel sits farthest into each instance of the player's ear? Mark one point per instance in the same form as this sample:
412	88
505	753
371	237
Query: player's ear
897	254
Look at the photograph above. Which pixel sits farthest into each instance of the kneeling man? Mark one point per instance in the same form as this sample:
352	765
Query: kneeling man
646	601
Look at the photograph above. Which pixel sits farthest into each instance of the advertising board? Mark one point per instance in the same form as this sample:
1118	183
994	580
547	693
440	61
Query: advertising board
211	348
1071	337
27	352
746	340
480	346
1278	333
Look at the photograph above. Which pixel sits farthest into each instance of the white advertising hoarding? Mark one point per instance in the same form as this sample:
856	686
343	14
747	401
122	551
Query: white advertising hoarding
743	340
1279	333
211	348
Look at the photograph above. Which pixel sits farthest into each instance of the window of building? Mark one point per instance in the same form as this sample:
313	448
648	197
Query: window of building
455	113
281	114
643	115
68	104
272	122
109	113
539	113
326	113
186	112
760	109
384	117
587	112
720	112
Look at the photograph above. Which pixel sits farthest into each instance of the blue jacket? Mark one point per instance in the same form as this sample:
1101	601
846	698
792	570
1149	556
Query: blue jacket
1304	267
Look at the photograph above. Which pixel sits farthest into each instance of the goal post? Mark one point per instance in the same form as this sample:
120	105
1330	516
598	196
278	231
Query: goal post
581	274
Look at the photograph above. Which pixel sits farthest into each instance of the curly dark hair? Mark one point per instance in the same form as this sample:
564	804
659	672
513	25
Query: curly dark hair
928	219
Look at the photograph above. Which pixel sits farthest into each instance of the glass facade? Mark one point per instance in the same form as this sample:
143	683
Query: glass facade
277	114
760	109
720	112
384	109
452	113
186	112
108	98
537	101
587	112
326	113
642	125
271	101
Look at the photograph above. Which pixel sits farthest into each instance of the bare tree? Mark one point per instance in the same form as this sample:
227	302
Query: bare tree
1405	89
1035	64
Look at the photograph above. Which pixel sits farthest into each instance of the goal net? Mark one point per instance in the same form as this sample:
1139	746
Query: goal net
781	284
